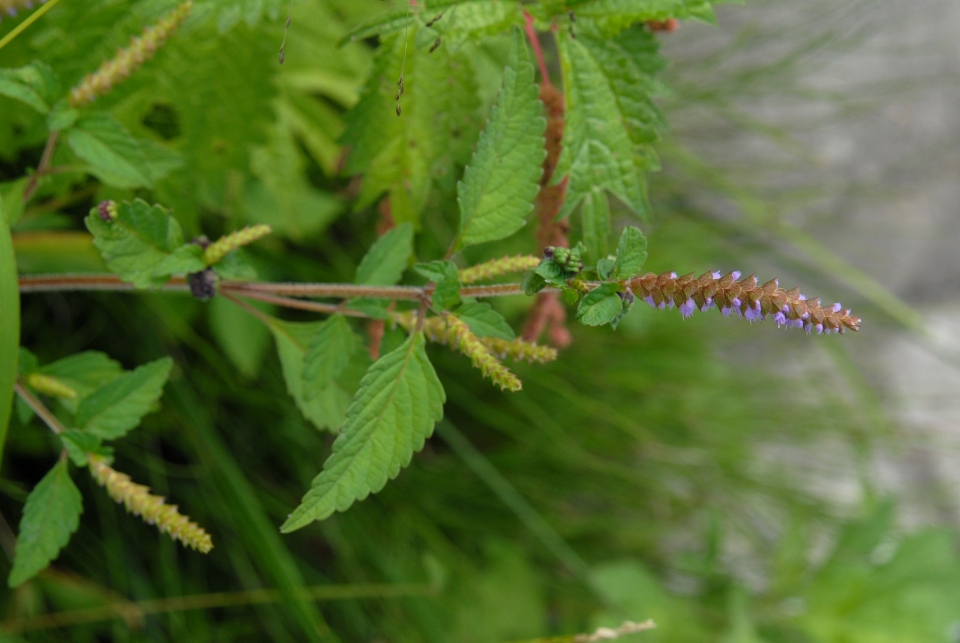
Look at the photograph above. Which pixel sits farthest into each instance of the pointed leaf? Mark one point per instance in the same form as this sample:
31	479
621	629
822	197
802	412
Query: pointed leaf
184	260
385	261
118	406
484	321
35	85
84	372
498	187
631	253
611	122
600	306
137	241
9	327
328	408
114	155
394	412
50	515
330	351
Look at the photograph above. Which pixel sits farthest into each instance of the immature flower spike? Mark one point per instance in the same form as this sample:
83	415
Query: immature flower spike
497	267
437	330
744	298
140	502
141	49
471	346
107	210
49	386
217	250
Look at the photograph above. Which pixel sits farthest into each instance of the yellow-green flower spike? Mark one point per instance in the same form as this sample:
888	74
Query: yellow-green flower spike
141	49
470	345
519	350
498	267
49	386
217	250
140	502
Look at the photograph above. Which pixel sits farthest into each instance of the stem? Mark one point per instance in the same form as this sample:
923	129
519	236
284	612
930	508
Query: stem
44	166
342	291
39	408
535	43
104	282
26	23
329	309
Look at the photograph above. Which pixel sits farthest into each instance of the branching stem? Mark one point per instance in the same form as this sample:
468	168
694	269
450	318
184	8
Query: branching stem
39	408
44	166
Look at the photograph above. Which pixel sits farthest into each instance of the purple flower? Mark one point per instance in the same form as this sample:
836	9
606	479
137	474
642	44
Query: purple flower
706	304
687	308
753	313
736	274
780	318
649	300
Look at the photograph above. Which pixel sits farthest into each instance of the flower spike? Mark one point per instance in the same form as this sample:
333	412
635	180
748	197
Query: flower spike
471	346
140	502
217	250
497	267
743	297
49	386
141	49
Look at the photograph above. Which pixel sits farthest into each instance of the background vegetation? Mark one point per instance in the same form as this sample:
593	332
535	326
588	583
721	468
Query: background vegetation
660	471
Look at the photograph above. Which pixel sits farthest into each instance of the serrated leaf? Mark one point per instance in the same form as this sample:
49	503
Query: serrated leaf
484	321
498	187
446	276
183	260
600	306
328	408
50	516
328	355
118	406
84	372
10	328
385	261
611	122
532	283
404	156
631	253
114	155
137	241
595	223
615	15
394	412
552	273
35	85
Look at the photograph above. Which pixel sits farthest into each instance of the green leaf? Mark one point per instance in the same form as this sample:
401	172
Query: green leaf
137	241
552	273
11	199
114	155
385	261
444	274
50	515
499	185
330	351
79	443
184	260
532	283
631	253
241	336
83	372
595	223
600	306
61	116
405	156
236	266
614	15
611	122
394	412
118	406
35	85
484	321
328	408
10	326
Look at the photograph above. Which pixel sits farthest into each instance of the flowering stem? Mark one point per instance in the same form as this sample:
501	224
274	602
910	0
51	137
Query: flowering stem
36	15
535	43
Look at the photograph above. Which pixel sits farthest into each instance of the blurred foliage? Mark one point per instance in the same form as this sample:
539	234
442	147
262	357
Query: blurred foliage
629	480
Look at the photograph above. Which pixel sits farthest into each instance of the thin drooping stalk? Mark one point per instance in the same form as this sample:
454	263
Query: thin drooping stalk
286	302
39	408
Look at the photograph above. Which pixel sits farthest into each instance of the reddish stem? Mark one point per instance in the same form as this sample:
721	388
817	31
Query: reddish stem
535	43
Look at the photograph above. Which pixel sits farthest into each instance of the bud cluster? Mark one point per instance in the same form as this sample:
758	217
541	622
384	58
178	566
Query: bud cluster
743	297
498	267
49	386
217	250
140	502
128	60
470	345
107	210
